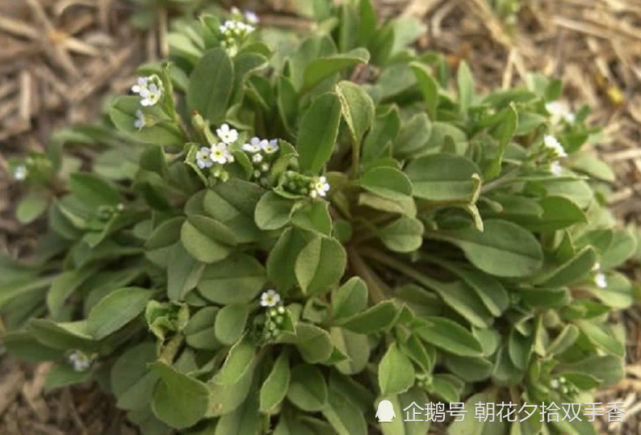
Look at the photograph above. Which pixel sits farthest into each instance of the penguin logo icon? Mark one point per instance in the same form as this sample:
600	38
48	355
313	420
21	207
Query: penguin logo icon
385	412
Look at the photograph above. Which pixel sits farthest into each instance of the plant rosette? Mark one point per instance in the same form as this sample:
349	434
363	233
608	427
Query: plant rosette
278	233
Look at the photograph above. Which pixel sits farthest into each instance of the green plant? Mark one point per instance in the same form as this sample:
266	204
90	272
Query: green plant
276	242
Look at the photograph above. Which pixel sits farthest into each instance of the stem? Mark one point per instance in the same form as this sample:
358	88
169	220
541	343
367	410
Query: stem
169	352
356	158
361	269
401	267
507	178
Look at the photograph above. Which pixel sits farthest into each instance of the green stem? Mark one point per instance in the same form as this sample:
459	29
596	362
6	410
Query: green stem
376	293
507	178
169	352
356	158
401	267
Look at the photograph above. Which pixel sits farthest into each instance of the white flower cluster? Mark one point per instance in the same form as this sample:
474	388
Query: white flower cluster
560	113
218	152
600	280
554	151
20	173
150	90
271	300
553	147
80	361
235	30
260	152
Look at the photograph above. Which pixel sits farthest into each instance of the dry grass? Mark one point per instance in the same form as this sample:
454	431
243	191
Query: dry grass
60	56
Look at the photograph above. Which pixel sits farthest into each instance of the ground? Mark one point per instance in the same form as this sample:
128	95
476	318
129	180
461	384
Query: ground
61	57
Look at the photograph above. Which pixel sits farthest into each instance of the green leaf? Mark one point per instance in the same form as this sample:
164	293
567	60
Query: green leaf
344	416
307	388
443	178
183	273
507	130
233	204
315	217
571	271
395	372
32	206
276	385
123	113
382	135
230	323
287	102
622	248
131	381
558	213
161	241
320	265
227	398
242	421
235	280
211	85
239	360
387	182
282	258
354	346
318	132
179	400
488	288
602	337
608	369
61	376
449	336
357	108
116	310
401	425
200	246
465	82
428	87
93	190
65	285
501	243
273	211
198	332
413	138
320	69
403	235
66	335
377	318
469	369
349	299
313	343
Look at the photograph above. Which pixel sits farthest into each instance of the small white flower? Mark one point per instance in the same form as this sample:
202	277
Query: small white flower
596	267
556	168
140	122
269	298
220	154
149	89
555	384
319	188
553	146
269	147
251	17
253	146
264	167
20	173
203	158
559	112
227	134
257	158
257	173
80	361
601	280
